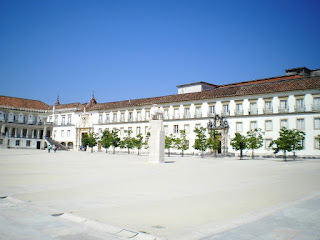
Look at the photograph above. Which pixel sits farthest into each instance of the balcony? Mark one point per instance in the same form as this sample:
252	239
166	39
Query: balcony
300	109
225	113
268	111
316	108
186	116
239	113
253	112
284	110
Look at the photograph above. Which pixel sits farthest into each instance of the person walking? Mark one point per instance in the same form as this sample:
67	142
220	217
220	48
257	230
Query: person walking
49	146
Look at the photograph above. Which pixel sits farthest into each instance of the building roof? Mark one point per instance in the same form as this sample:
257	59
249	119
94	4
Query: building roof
23	103
272	85
197	83
69	105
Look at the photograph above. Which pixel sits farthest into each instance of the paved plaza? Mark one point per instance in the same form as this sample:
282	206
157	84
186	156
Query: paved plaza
81	195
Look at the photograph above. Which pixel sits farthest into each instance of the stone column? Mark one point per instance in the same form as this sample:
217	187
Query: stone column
157	137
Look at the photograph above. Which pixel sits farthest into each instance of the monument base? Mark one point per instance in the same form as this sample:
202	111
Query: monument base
156	142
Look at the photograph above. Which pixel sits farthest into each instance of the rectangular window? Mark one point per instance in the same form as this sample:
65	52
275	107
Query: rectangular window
28	143
130	116
316	104
129	128
239	109
69	119
138	130
147	115
284	123
239	126
1	141
176	113
62	133
122	117
225	110
115	117
63	120
268	125
187	128
121	131
198	126
175	129
316	143
283	106
166	114
253	125
267	107
68	133
100	118
166	129
300	124
316	123
267	143
107	117
198	112
54	133
212	110
100	130
300	105
139	116
253	108
17	142
187	113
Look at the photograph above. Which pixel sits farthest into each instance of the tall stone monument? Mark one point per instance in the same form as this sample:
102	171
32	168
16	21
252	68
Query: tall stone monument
156	141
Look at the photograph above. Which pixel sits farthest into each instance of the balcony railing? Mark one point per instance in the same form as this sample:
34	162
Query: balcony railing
225	113
300	109
239	112
315	107
253	112
284	110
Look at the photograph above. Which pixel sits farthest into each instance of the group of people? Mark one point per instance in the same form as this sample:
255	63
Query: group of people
54	147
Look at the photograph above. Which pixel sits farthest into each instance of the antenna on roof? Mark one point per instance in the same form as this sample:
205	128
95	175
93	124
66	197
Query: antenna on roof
92	94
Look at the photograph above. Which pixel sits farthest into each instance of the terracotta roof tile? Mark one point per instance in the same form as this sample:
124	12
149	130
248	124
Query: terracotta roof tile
281	84
68	106
23	103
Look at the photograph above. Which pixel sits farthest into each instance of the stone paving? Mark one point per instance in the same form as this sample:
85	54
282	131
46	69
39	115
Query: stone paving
106	196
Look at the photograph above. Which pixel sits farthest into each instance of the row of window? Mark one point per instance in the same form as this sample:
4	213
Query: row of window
55	133
300	124
267	142
12	118
65	120
253	109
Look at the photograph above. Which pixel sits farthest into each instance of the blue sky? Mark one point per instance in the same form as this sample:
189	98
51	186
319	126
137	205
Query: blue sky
134	49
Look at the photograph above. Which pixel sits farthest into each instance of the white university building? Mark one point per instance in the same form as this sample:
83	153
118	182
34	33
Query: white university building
291	101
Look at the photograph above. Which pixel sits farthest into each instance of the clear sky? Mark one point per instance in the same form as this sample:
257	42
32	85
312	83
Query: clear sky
134	49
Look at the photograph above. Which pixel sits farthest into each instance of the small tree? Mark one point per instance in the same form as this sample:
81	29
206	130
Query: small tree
90	140
169	143
239	142
128	141
288	141
106	140
255	140
298	137
115	139
200	143
182	143
146	141
214	141
138	142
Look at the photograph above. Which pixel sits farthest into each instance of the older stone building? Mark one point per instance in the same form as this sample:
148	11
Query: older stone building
291	101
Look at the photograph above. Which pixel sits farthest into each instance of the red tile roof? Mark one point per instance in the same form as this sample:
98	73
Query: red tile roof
280	84
22	103
68	106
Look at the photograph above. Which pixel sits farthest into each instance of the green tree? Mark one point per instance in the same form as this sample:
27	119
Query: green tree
115	139
106	139
239	142
128	141
255	140
200	143
89	140
169	143
138	142
288	141
214	141
182	143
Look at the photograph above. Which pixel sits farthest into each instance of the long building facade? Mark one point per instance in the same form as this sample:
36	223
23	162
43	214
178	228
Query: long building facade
291	101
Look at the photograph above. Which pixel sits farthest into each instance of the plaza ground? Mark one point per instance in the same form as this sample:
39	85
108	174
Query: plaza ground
185	198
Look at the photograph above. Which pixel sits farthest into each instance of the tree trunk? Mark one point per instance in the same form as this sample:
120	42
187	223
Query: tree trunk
182	153
168	152
128	150
202	154
252	153
106	150
114	150
240	154
138	151
215	153
294	156
284	156
91	149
